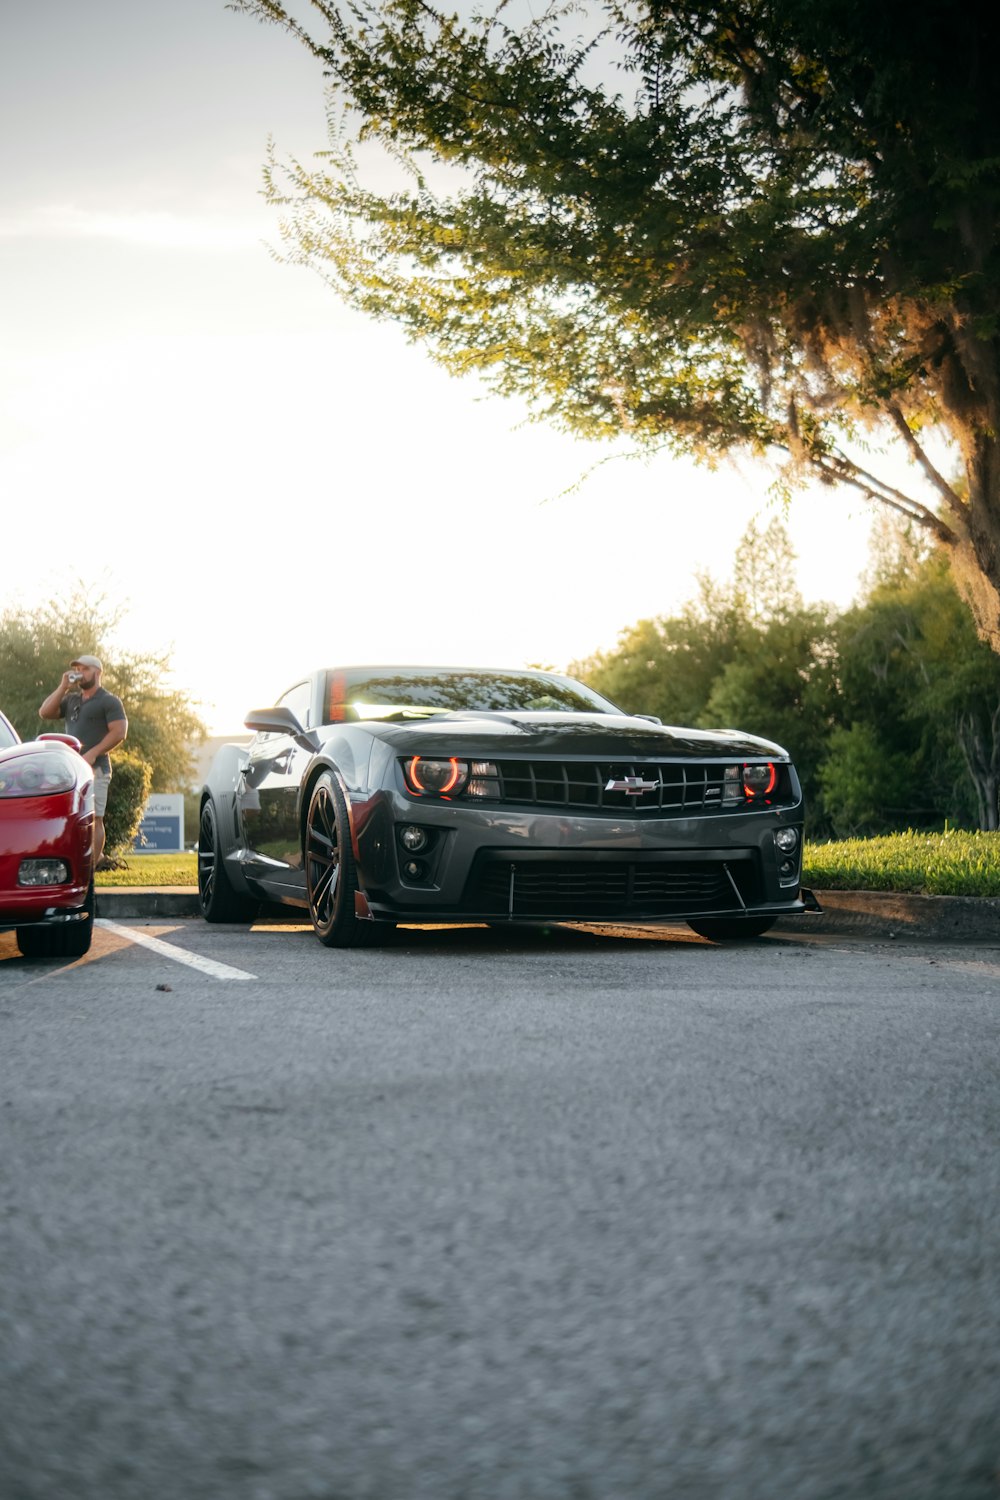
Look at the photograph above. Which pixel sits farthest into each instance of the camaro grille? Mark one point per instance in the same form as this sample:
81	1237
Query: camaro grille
667	788
610	887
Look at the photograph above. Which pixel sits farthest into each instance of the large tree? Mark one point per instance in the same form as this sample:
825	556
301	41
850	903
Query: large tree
761	224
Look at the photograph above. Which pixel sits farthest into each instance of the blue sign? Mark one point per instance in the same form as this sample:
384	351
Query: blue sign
162	828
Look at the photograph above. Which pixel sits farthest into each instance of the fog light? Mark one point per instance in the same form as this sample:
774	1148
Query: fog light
787	840
42	872
414	869
787	867
413	838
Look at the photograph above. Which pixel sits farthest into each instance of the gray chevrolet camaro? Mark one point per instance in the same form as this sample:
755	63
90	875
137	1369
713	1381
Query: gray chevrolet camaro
375	795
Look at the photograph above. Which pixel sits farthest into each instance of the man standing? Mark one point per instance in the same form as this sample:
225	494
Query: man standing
97	719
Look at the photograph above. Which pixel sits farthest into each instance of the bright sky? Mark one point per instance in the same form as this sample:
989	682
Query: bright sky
266	481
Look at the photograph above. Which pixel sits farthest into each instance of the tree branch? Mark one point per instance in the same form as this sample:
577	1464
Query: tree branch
839	467
937	479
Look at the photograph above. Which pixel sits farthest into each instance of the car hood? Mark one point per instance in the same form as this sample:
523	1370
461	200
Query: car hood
599	736
35	747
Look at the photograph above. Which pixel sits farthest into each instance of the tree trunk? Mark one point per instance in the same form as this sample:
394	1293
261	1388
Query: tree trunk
981	747
975	525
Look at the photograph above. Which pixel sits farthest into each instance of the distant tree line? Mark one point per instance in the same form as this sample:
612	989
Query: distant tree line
891	710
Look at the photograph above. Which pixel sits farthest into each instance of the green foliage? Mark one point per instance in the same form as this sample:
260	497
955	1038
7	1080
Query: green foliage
923	698
131	782
37	645
782	685
667	666
951	863
864	784
749	656
891	712
768	227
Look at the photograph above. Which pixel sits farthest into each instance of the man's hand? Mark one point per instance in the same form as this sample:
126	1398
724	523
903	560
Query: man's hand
50	708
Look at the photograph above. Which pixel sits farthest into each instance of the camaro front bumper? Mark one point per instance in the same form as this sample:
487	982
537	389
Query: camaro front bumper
497	864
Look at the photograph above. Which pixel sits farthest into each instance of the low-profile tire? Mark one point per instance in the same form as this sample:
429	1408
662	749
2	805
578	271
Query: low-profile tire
216	897
732	929
331	874
62	940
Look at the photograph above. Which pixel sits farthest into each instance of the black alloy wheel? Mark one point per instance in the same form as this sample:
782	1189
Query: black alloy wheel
331	875
216	897
60	940
732	929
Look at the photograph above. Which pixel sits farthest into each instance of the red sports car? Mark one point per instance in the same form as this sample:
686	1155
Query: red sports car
46	844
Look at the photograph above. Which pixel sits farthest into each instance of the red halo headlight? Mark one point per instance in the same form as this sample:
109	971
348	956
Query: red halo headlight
760	780
428	776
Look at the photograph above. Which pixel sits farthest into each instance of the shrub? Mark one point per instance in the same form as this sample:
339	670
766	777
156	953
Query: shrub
129	790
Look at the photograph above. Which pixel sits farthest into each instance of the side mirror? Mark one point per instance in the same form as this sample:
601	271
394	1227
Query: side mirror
273	721
64	739
279	720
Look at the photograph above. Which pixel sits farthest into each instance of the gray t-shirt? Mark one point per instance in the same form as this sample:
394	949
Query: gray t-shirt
89	718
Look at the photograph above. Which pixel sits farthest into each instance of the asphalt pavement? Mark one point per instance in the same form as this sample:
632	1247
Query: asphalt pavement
480	1215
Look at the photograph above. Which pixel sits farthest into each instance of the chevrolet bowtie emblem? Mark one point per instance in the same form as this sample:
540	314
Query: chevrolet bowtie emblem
632	786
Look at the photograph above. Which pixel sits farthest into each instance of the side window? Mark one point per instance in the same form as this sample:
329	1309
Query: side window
299	700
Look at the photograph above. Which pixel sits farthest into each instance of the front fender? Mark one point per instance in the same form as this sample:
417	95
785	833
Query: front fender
225	771
221	785
349	762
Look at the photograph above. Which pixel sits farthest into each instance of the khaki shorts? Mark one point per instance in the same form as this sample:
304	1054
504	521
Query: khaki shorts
101	783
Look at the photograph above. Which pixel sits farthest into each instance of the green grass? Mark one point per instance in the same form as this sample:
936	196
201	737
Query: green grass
152	869
952	863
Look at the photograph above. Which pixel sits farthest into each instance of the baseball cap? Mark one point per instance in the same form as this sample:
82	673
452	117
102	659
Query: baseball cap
87	661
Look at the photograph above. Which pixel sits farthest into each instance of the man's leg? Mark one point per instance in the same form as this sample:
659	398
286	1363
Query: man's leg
101	784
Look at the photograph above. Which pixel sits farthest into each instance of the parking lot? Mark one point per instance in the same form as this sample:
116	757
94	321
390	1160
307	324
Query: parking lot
564	1213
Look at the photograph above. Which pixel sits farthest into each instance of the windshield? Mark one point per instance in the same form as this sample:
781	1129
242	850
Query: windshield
8	735
381	692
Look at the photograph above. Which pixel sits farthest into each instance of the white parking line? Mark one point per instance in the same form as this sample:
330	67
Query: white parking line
166	950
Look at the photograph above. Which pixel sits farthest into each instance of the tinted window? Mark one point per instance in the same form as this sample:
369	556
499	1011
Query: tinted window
354	691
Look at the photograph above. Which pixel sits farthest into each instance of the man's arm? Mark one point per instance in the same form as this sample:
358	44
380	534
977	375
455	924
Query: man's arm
117	730
52	704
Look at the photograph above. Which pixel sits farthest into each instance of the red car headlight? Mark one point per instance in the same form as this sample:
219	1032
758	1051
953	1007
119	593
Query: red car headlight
36	775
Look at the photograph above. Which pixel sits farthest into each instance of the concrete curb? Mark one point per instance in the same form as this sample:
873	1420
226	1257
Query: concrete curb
862	913
147	901
890	914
